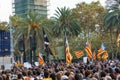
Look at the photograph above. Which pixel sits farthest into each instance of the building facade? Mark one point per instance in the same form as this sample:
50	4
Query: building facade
20	7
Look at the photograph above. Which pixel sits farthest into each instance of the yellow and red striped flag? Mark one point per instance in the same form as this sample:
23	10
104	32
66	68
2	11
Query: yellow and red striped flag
102	53
118	40
40	59
79	54
68	55
88	50
105	56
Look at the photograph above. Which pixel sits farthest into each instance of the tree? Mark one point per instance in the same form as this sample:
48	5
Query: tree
32	30
14	25
4	26
112	20
89	15
65	23
112	17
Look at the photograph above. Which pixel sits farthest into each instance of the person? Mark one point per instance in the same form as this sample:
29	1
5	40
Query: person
88	75
46	76
20	77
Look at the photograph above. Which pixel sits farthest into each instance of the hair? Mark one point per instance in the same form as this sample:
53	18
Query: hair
1	78
102	74
87	73
58	76
112	76
77	76
19	76
24	73
117	70
53	76
46	74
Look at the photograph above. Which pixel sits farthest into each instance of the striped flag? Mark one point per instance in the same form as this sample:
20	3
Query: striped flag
88	50
105	56
79	54
102	53
118	40
40	59
68	55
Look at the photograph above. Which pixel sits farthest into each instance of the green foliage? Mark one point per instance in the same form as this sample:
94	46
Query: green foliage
4	26
77	23
65	23
89	15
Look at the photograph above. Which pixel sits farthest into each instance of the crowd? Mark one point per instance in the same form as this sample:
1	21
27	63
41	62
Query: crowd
97	70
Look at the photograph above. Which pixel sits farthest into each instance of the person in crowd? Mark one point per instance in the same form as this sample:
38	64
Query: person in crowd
97	70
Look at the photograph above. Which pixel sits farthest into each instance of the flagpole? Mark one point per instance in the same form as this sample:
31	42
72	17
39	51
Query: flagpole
46	45
65	37
48	54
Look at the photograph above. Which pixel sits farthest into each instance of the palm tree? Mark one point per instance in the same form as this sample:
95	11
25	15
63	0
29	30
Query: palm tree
14	24
112	18
29	29
65	23
32	31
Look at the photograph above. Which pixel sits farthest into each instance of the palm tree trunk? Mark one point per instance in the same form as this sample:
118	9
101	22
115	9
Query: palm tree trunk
24	54
31	56
111	43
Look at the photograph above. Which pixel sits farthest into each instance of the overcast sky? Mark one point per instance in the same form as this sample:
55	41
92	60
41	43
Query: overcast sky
6	6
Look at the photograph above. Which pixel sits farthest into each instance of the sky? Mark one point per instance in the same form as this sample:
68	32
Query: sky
6	7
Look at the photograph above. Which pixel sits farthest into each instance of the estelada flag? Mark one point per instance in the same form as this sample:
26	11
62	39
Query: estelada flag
67	52
105	56
88	50
102	53
40	59
79	54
